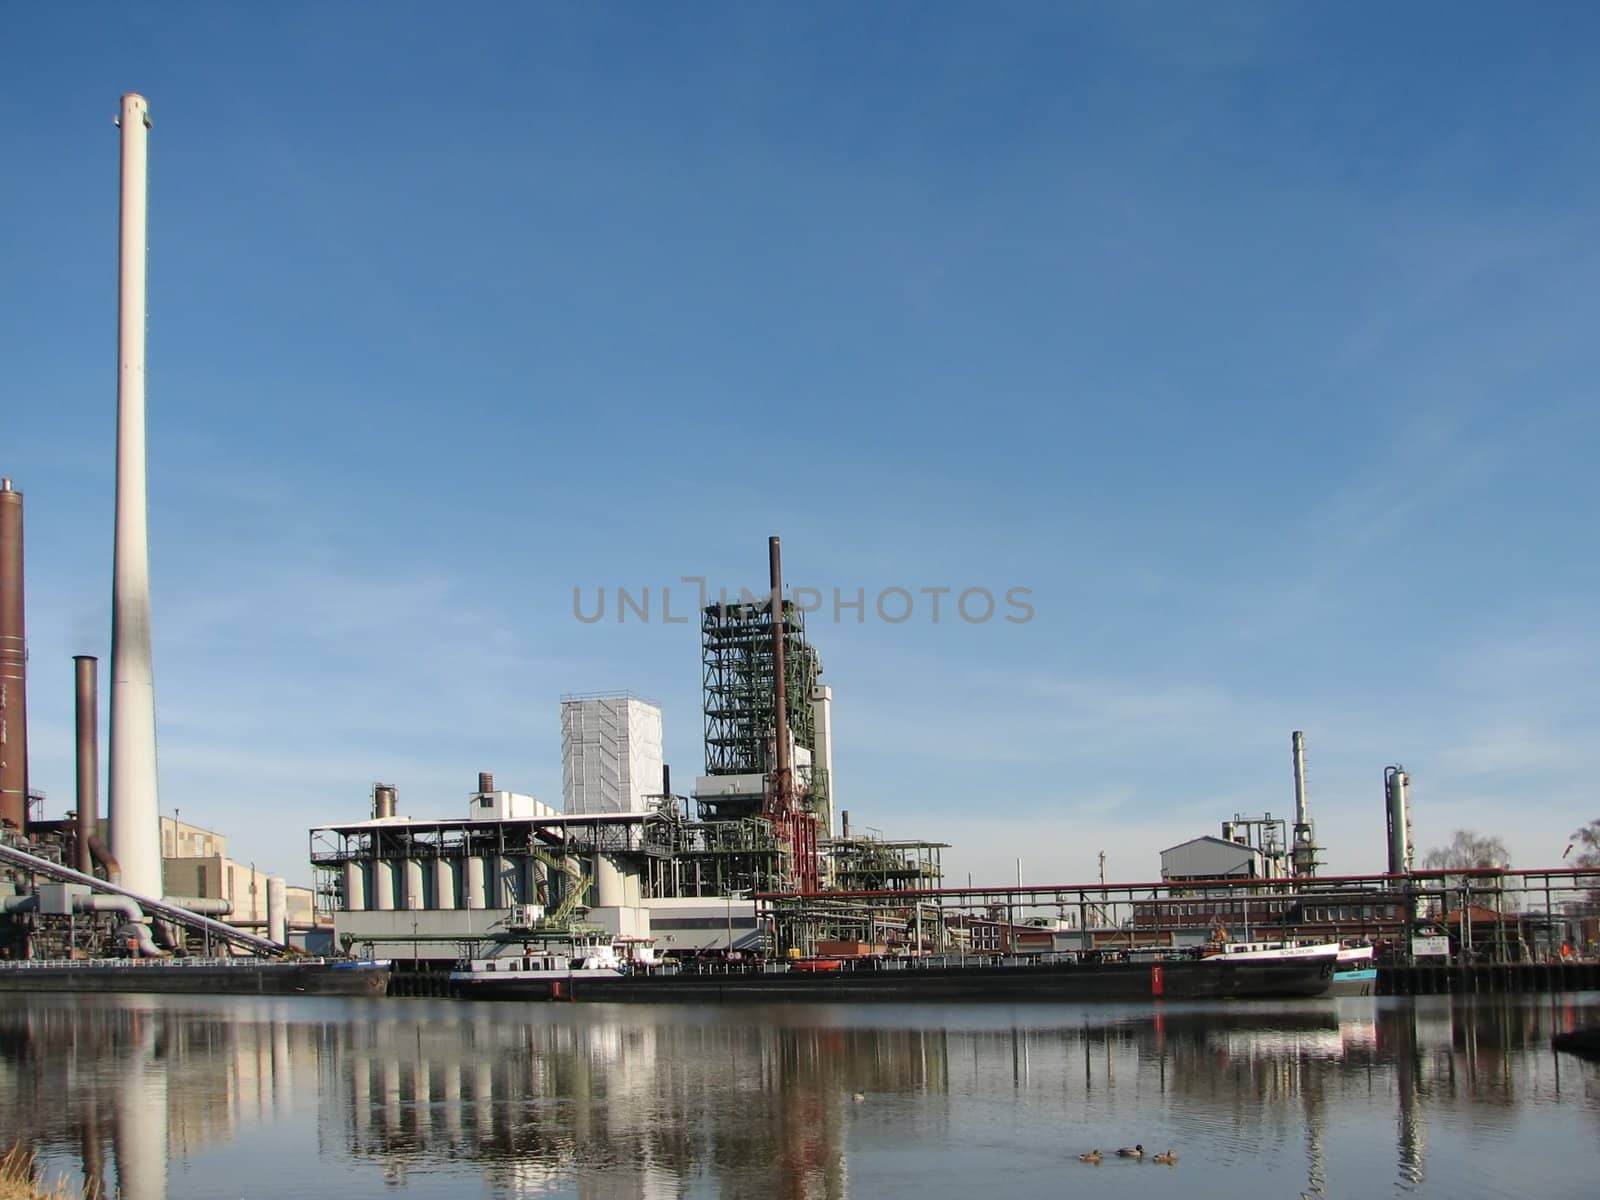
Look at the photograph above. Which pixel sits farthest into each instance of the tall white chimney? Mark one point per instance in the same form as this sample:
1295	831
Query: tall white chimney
134	809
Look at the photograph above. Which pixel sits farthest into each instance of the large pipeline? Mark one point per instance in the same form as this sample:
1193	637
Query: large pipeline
10	855
13	666
133	926
101	854
206	906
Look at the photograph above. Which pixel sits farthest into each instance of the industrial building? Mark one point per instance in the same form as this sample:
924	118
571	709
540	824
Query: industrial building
610	753
627	854
195	863
1209	858
739	671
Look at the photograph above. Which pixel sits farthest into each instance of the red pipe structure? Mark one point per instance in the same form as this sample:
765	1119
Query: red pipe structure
794	824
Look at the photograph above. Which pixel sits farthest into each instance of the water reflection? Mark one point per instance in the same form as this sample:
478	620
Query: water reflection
660	1102
168	1096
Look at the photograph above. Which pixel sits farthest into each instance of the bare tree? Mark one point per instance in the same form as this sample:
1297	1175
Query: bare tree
1469	850
1466	850
1587	843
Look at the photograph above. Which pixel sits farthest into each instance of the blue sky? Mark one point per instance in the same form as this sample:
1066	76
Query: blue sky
1256	341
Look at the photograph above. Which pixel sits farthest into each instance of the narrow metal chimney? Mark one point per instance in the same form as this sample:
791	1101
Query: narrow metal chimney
86	692
134	803
13	665
1298	740
780	698
1303	848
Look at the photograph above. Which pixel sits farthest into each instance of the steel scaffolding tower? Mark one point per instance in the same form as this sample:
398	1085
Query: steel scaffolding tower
737	655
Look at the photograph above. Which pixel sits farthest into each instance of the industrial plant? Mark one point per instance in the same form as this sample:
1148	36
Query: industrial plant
79	895
627	853
755	868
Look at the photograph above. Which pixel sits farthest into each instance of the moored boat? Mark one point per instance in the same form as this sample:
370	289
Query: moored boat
216	976
548	972
541	976
1355	972
1268	951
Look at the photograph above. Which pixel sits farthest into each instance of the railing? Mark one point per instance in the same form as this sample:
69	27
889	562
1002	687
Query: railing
942	962
154	964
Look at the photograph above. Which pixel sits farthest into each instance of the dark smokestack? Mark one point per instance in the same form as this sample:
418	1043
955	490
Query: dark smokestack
87	670
780	699
485	782
666	780
13	665
382	800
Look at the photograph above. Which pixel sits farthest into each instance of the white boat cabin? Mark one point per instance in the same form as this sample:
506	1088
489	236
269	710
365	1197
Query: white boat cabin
1233	951
580	955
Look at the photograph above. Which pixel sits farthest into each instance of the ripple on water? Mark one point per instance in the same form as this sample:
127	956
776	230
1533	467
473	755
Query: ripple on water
198	1097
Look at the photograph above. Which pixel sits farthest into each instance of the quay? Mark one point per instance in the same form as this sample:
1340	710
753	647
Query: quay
1426	979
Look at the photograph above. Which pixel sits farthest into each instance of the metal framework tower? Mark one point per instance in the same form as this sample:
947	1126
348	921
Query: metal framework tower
759	676
739	676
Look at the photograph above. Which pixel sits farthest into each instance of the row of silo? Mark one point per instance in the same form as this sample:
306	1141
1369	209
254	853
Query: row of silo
471	882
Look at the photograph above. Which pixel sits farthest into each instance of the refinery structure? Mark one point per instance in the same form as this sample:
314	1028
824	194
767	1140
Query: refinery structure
627	853
756	860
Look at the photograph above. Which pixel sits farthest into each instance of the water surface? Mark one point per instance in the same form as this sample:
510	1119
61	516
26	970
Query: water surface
202	1097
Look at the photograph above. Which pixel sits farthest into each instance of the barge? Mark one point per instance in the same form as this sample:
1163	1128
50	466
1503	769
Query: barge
595	974
203	976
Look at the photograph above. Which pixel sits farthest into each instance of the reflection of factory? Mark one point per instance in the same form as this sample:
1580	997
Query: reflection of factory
675	1102
233	1076
534	1101
628	854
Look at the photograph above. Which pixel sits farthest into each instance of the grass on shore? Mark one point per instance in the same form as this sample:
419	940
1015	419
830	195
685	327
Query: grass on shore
16	1179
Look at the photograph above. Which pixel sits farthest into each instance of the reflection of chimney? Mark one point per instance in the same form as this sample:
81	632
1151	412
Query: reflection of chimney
135	827
13	665
139	1134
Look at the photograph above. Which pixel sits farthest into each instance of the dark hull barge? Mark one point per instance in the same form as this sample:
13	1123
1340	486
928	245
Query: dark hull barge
233	977
908	982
